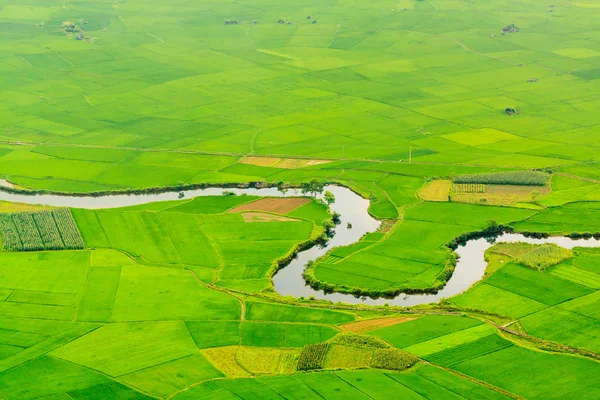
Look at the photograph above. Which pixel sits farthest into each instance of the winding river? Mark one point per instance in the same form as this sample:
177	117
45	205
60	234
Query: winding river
353	209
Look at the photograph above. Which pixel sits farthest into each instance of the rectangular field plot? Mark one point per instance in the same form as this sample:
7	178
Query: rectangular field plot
423	329
451	340
505	368
467	351
564	326
500	301
541	287
42	230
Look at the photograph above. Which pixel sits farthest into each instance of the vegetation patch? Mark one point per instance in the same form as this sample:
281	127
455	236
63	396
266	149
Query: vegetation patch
353	339
544	256
344	357
265	217
224	359
313	356
260	360
438	190
523	178
260	161
393	359
468	188
496	195
273	204
372	324
42	230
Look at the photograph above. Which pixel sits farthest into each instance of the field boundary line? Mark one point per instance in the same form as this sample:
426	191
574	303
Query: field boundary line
581	178
559	348
348	383
213	245
475	380
87	278
110	377
155	37
301	382
222	290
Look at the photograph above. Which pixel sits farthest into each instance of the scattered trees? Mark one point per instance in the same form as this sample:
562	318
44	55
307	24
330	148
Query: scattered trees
313	187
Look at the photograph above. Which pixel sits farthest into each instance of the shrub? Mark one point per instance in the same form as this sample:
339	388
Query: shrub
353	339
393	359
522	178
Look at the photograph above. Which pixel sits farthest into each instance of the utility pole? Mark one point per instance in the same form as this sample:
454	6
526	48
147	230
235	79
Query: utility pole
410	155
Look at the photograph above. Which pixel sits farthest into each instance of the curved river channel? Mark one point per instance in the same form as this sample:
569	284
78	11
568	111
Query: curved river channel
353	209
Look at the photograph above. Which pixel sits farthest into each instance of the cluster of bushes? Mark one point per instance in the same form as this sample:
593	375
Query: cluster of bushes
231	22
353	339
491	231
544	256
393	359
522	178
584	235
313	356
510	28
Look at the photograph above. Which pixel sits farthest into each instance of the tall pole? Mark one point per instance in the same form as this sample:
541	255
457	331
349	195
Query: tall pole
410	155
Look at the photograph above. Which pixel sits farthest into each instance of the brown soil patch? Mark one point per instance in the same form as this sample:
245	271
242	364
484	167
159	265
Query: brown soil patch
386	225
372	324
276	205
260	161
264	217
295	163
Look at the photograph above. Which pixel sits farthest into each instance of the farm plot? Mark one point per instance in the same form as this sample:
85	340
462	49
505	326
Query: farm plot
392	264
500	369
43	230
182	235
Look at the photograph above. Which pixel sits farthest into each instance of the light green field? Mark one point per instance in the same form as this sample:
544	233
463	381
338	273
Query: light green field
174	300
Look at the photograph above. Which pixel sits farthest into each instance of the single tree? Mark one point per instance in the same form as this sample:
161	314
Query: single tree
329	198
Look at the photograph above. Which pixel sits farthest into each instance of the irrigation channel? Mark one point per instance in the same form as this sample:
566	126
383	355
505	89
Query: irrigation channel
353	209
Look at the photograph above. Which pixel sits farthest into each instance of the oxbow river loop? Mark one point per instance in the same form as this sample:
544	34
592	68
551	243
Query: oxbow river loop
289	281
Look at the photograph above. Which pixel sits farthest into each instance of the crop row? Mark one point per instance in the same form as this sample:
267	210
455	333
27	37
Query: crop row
313	356
45	230
10	236
48	231
523	178
68	228
468	188
28	232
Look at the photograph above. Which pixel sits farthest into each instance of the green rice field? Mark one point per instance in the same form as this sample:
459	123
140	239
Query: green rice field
450	118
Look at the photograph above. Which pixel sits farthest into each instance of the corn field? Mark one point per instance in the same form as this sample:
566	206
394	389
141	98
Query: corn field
313	356
45	230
